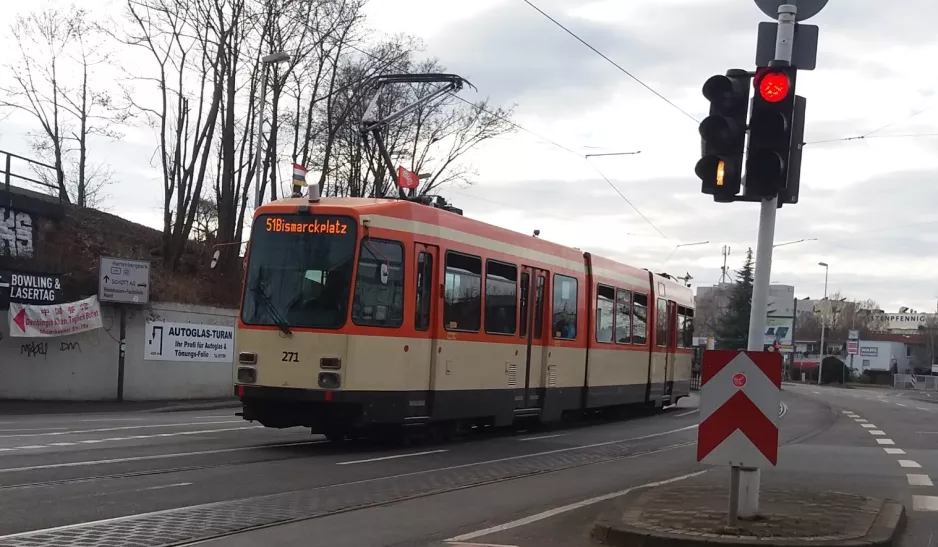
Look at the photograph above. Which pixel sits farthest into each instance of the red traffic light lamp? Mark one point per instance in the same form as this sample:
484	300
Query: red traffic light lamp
770	131
773	86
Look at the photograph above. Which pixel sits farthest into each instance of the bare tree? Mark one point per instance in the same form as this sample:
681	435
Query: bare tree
186	44
52	79
35	85
91	109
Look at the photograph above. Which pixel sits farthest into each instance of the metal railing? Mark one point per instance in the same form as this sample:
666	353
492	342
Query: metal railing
695	381
9	174
917	382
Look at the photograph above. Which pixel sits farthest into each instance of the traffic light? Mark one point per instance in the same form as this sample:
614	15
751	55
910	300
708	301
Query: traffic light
723	135
770	131
790	193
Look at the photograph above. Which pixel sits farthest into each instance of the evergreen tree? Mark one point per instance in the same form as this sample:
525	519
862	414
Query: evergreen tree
732	329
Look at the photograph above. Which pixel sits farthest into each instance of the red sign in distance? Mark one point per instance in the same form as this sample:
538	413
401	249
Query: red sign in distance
774	86
739	380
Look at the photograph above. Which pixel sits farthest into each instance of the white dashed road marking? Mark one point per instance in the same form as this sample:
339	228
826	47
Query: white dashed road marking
919	480
876	432
925	503
885	441
859	420
115	439
868	426
542	437
909	463
81	431
396	456
894	451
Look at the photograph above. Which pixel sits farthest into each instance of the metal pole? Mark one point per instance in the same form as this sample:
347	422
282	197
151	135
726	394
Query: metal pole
820	367
258	171
749	478
121	356
733	512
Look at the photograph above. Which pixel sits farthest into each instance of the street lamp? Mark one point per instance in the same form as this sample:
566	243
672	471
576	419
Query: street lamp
273	58
820	367
793	242
676	247
613	154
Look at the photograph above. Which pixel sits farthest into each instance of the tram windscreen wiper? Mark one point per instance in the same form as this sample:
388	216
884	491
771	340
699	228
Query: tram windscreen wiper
274	312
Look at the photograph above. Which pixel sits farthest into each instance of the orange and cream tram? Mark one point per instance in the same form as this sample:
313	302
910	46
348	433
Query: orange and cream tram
362	314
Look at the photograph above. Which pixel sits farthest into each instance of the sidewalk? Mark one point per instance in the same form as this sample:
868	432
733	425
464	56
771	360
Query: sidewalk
10	407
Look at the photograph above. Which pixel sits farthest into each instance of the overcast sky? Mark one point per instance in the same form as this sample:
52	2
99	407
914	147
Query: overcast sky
868	203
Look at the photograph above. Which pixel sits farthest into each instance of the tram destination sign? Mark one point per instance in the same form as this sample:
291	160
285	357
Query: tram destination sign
123	281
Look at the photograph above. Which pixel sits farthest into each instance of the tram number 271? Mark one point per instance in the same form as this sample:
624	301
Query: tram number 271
290	357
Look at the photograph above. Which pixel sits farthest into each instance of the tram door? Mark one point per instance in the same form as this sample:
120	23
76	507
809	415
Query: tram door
533	302
426	312
671	354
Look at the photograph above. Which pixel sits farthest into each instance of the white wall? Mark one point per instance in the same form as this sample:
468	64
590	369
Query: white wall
84	367
81	367
882	361
158	380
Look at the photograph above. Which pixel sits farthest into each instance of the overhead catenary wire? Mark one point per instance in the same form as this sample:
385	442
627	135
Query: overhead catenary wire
867	137
610	61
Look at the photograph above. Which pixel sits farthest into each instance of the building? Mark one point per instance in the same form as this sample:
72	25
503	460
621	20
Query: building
711	301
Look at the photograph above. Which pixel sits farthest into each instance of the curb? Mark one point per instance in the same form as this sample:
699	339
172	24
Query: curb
197	406
611	531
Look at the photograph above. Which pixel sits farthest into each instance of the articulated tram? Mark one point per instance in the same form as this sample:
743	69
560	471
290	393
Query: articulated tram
373	314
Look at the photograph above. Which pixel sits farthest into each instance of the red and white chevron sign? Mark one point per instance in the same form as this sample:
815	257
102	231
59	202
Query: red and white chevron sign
739	407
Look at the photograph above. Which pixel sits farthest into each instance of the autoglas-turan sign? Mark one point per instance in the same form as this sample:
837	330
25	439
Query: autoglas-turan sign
189	342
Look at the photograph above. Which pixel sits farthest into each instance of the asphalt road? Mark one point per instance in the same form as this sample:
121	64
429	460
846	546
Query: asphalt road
185	477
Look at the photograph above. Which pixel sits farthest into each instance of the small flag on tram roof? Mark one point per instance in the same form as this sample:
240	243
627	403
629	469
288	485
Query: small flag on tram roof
299	175
407	179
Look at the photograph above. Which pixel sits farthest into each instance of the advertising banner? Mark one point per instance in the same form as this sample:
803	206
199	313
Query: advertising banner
32	321
779	329
189	342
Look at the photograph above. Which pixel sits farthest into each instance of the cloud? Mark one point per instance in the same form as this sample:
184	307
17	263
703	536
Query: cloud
868	202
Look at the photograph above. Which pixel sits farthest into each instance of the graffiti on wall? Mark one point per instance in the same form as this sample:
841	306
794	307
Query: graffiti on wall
16	233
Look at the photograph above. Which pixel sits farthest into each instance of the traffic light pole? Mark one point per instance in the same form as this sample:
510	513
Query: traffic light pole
749	477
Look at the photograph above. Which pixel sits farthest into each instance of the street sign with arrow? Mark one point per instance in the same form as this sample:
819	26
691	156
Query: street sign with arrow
123	281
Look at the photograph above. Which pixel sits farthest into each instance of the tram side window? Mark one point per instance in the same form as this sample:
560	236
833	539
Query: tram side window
605	306
379	295
565	298
681	325
661	336
424	291
462	298
525	288
688	328
501	297
640	319
623	316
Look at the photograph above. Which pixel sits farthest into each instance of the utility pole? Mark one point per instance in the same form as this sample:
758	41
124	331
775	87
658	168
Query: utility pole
772	162
261	103
749	478
725	275
820	367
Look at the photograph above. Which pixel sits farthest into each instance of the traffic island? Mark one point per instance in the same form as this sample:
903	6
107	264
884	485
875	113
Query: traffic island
694	516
